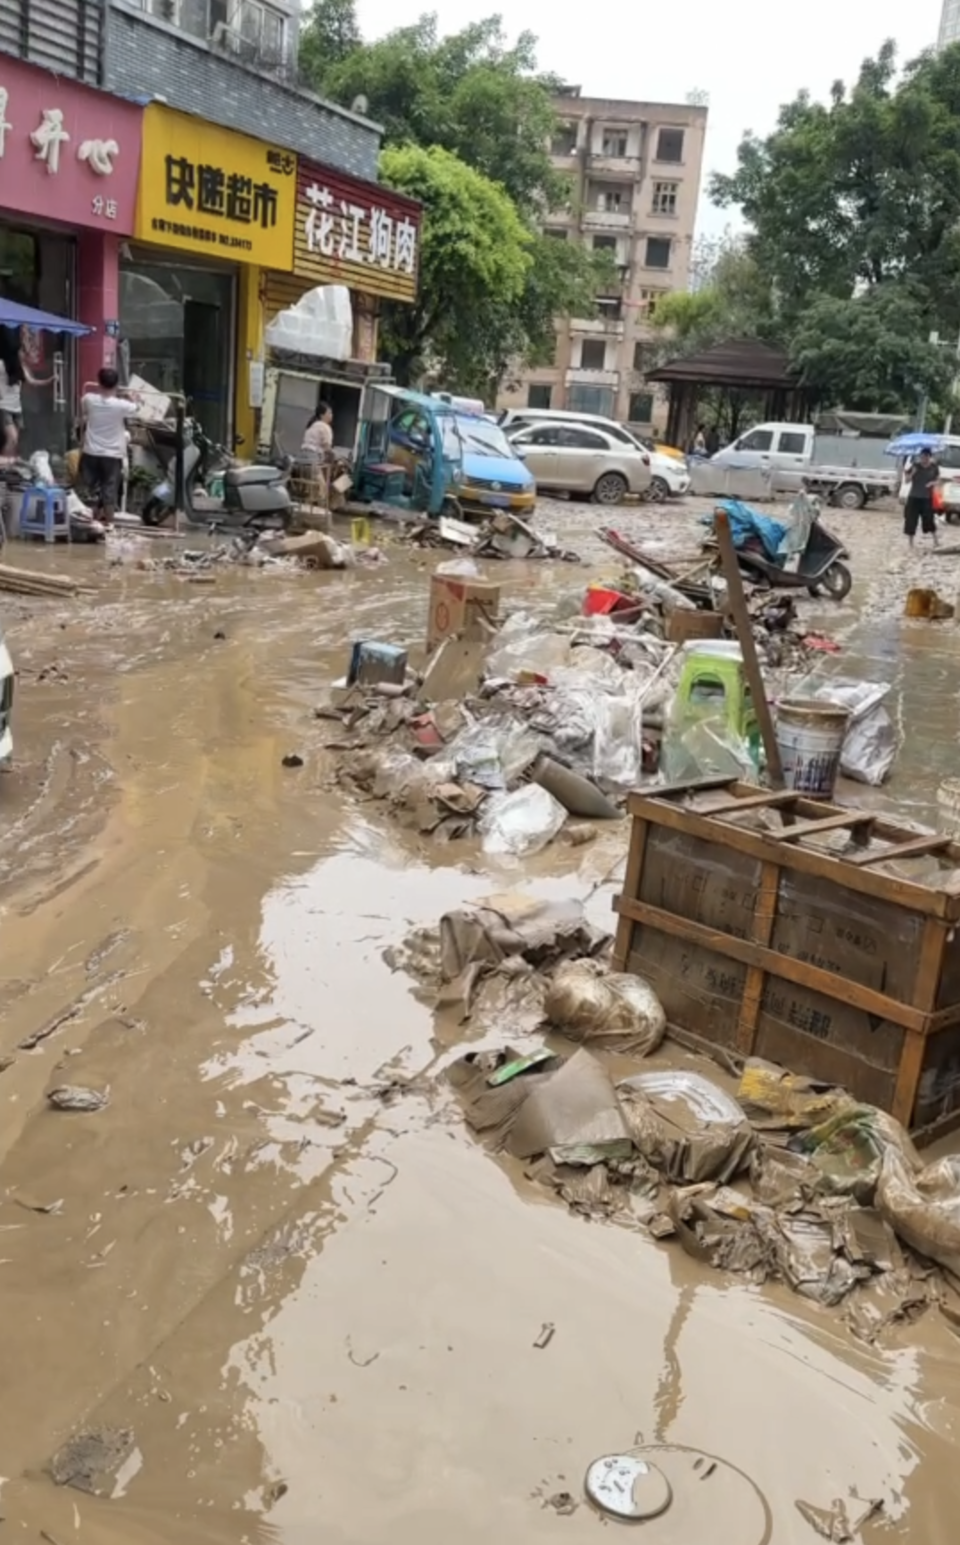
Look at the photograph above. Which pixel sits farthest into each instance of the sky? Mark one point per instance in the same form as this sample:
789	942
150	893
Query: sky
749	56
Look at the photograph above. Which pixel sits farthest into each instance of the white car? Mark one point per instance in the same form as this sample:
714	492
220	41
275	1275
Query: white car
581	459
670	475
6	702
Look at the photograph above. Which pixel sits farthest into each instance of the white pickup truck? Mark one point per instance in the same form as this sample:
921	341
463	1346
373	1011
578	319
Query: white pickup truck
841	458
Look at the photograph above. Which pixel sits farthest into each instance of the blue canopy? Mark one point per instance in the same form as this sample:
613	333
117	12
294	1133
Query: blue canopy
12	314
915	442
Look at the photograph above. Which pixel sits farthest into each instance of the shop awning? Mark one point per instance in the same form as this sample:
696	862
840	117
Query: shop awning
14	315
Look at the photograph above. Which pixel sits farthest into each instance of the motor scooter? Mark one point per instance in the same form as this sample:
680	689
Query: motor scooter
254	497
820	568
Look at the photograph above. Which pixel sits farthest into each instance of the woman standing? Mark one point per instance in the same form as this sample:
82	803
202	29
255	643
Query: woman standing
14	372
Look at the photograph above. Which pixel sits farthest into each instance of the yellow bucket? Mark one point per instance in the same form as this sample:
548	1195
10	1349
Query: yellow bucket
360	531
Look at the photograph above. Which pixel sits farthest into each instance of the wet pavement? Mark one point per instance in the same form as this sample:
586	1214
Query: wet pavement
308	1292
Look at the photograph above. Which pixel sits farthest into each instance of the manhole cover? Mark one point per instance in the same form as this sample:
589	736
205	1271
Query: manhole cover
680	1494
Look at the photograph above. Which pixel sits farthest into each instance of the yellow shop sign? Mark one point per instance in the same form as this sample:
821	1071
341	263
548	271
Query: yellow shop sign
206	189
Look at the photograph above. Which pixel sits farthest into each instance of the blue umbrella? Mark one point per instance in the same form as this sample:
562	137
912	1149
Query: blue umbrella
912	444
12	314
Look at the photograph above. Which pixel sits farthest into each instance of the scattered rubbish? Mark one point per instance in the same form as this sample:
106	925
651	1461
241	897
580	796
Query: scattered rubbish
30	1205
776	1100
574	1105
372	663
625	1486
520	823
547	1332
870	744
589	1003
28	583
687	1127
521	1065
923	1208
928	606
480	939
835	1524
292	759
810	735
75	1097
577	794
219	635
91	1460
563	1504
460	606
680	1494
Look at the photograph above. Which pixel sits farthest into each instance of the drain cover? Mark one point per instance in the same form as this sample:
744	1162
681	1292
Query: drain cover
680	1494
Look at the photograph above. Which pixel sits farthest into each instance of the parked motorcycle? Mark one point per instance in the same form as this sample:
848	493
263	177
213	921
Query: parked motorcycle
820	570
255	497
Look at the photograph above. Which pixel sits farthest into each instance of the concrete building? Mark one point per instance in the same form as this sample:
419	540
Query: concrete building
635	170
949	23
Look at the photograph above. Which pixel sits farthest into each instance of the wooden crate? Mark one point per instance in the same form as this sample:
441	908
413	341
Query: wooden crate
762	942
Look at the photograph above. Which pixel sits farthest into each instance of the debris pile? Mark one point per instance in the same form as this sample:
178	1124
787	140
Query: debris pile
504	535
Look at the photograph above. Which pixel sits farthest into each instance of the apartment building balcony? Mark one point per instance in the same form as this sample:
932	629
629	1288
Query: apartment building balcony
578	377
606	219
624	168
597	327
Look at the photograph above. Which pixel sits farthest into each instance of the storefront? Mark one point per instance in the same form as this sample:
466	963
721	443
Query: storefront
353	233
214	207
69	159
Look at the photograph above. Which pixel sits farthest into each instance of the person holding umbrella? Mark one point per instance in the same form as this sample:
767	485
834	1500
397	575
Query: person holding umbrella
918	509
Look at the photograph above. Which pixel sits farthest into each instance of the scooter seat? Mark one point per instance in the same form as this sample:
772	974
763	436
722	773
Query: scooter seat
247	477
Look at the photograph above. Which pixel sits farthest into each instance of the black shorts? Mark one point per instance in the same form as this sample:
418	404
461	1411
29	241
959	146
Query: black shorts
919	512
100	476
10	420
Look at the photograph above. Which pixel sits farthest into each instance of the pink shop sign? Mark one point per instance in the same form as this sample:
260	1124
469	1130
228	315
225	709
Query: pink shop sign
67	153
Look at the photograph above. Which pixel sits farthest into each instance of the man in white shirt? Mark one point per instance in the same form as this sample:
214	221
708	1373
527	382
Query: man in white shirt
105	443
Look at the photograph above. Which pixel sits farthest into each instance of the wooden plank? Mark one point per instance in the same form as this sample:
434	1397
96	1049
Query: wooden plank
631	884
926	988
764	918
768	801
769	849
701	786
915	849
830	824
799	972
908	1077
737	607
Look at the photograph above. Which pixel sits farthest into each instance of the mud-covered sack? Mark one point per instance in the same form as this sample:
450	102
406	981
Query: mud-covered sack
923	1209
589	1003
685	1126
847	1150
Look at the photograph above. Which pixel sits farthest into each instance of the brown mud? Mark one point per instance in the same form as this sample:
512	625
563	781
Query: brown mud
311	1296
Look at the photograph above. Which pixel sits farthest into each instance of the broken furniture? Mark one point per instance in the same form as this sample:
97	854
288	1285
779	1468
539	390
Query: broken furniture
768	928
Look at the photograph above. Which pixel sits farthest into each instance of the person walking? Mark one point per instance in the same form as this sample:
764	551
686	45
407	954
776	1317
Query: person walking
15	373
918	509
105	443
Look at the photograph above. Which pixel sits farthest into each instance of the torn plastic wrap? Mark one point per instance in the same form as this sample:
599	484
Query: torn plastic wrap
686	1126
589	1003
519	824
924	1208
575	1106
870	746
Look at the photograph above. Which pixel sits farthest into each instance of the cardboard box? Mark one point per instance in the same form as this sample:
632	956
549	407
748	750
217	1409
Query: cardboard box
460	608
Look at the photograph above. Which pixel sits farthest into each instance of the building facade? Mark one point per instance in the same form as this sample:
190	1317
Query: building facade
216	193
635	170
949	23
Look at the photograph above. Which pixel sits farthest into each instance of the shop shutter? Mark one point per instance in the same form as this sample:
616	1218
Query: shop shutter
65	36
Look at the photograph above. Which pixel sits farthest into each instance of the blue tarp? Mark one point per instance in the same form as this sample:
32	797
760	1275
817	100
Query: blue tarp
746	523
12	314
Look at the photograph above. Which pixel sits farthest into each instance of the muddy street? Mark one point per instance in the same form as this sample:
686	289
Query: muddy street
275	1261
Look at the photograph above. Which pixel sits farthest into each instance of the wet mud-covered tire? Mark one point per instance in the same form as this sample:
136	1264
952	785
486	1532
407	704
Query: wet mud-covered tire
849	496
611	488
659	491
836	582
154	513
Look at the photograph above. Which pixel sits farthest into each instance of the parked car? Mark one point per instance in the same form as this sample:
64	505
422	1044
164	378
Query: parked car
513	419
670	477
579	459
848	468
490	474
6	702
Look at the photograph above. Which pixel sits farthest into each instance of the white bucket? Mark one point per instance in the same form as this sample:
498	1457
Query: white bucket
948	800
810	735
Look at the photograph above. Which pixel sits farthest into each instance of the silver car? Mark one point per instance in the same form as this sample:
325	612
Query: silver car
579	459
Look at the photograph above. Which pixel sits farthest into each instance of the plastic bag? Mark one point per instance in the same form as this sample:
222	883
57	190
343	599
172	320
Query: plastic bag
870	746
924	1209
459	568
492	753
398	775
707	749
617	740
525	644
520	823
589	1003
685	1125
847	1150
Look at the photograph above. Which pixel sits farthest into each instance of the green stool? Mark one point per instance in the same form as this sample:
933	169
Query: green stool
713	686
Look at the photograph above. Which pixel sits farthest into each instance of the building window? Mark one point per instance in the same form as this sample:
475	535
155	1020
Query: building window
604	244
538	395
665	198
591	399
564	142
610	199
614	144
658	252
556	232
247	28
642	356
593	354
641	407
670	145
649	301
610	308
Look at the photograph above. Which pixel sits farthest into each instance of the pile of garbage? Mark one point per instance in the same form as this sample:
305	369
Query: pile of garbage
503	535
248	548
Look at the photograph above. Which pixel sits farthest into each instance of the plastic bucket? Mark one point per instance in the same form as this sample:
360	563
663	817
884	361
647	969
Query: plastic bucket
948	801
810	736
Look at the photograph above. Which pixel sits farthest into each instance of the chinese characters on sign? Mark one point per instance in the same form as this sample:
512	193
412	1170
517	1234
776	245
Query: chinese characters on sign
352	233
209	190
50	136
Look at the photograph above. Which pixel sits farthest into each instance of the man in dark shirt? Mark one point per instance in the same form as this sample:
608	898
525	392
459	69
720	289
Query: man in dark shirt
918	510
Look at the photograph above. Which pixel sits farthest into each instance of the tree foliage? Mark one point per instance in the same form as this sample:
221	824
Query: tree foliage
869	353
479	98
475	257
733	300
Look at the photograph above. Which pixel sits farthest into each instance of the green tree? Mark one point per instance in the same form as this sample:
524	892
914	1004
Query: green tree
870	353
330	34
862	191
475	257
734	299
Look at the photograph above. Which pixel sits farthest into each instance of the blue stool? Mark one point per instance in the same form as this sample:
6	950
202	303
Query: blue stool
44	513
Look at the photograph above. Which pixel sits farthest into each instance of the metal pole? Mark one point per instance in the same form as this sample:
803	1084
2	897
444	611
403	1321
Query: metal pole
179	488
737	608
